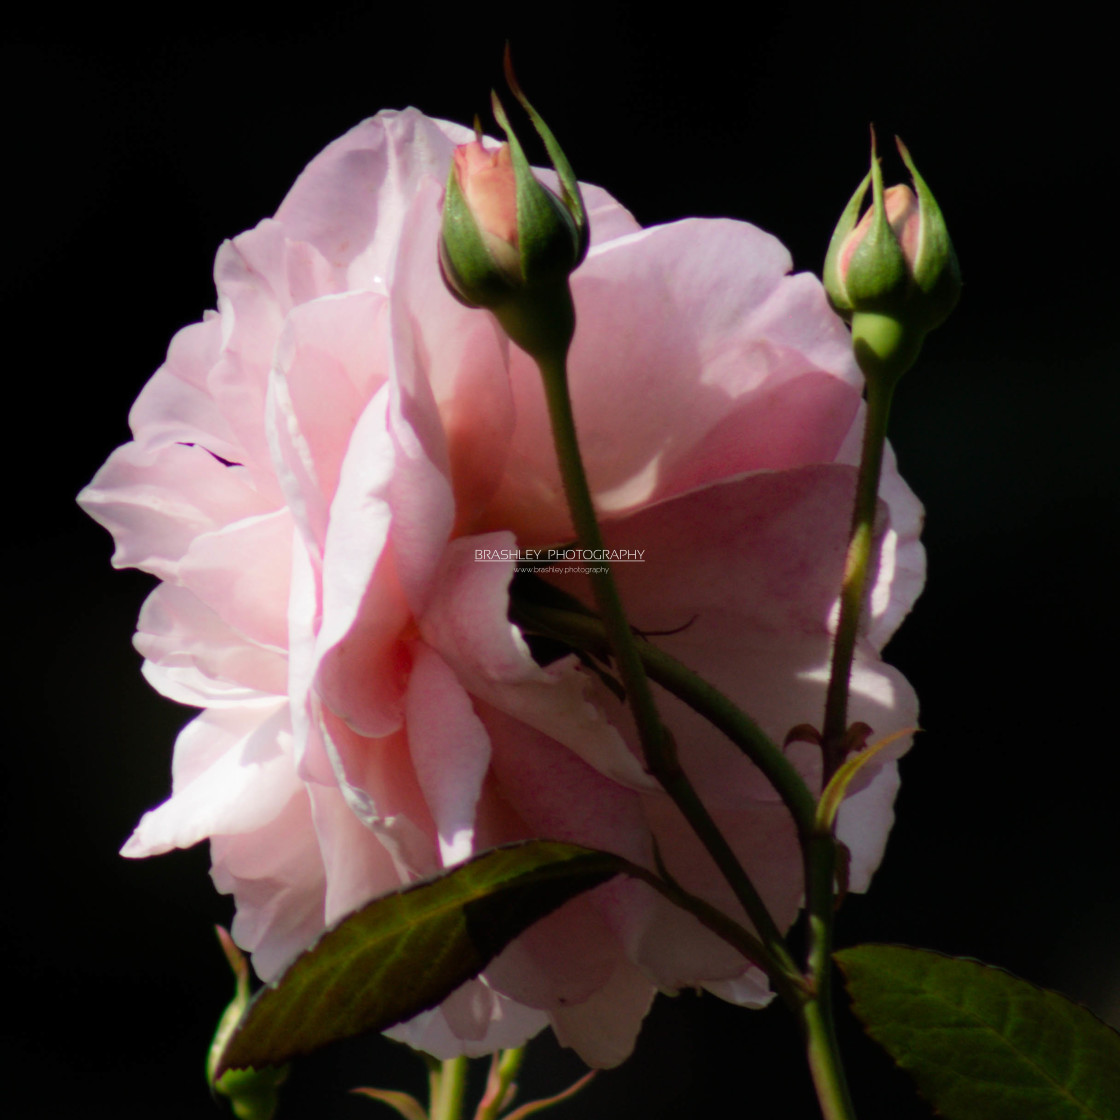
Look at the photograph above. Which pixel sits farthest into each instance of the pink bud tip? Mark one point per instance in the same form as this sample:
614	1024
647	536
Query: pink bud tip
486	178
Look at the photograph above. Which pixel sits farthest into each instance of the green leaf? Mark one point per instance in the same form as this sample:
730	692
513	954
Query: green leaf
407	951
981	1043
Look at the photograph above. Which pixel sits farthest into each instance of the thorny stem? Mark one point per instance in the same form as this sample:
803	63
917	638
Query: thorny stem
820	852
816	1014
857	569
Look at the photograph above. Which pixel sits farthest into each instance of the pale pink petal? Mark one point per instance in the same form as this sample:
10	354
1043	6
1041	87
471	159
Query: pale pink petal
304	617
469	1011
233	775
380	789
363	612
195	657
763	838
902	559
260	276
452	359
763	557
560	961
561	797
276	877
330	361
243	571
350	201
357	865
602	1031
510	1025
176	405
864	821
450	751
752	989
467	622
395	484
716	382
156	502
668	944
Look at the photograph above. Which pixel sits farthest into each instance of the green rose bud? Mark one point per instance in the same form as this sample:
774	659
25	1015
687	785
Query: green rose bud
893	273
508	243
252	1094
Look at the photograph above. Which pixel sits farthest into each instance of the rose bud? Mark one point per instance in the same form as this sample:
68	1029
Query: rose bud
892	274
252	1094
503	231
507	242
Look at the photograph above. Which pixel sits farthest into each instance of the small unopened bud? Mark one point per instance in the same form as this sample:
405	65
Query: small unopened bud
252	1094
503	231
893	273
508	243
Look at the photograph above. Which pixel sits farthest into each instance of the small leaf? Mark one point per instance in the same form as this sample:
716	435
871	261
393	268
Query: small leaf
407	951
408	1106
547	1102
833	794
981	1043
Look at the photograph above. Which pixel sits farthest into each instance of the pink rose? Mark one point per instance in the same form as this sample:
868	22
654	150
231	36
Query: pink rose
312	472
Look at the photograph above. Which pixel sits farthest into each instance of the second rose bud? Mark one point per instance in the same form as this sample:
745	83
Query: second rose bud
893	273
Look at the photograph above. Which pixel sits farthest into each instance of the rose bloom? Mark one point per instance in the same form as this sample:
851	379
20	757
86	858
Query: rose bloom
312	471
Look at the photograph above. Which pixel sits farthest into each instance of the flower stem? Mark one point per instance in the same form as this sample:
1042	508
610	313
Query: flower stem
656	743
820	852
447	1086
816	1013
503	1070
658	747
857	569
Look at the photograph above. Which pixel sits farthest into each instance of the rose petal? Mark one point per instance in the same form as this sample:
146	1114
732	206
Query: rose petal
156	502
450	751
467	621
276	877
603	1029
232	776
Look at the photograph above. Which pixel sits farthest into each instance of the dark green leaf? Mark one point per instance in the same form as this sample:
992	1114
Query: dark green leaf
980	1043
407	951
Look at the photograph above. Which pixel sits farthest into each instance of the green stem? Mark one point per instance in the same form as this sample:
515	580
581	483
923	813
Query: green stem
658	748
505	1068
816	1015
448	1087
857	568
820	852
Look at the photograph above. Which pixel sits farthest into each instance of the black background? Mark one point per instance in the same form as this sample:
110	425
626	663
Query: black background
137	147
